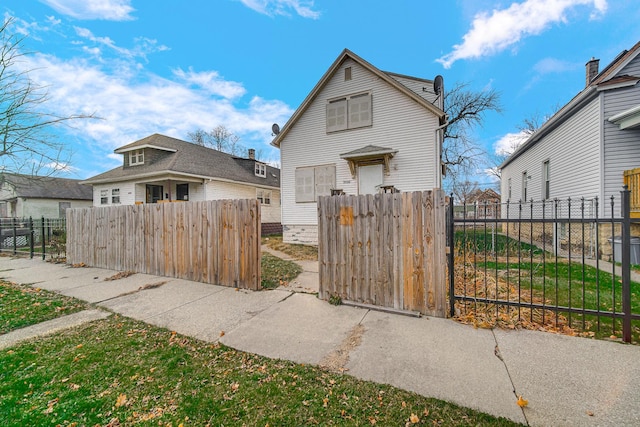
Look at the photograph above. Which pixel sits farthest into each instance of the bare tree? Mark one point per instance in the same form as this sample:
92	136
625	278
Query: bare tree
219	138
465	109
464	189
28	143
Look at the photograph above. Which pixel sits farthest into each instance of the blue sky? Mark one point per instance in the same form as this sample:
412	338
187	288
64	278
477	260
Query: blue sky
172	67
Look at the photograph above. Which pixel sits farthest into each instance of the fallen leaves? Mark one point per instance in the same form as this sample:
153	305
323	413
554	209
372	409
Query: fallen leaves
414	419
122	400
120	275
522	402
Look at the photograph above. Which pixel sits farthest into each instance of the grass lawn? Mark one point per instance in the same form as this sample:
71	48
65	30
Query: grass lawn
119	371
540	277
276	272
22	306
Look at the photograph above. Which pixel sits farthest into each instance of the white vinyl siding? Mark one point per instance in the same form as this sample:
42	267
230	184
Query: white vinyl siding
400	124
218	190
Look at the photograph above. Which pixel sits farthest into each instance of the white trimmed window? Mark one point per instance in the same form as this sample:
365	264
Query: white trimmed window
136	157
115	196
104	197
313	182
525	178
509	189
261	170
350	112
546	180
264	196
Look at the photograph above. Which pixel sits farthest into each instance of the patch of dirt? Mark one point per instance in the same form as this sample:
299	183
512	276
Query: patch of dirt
338	358
120	275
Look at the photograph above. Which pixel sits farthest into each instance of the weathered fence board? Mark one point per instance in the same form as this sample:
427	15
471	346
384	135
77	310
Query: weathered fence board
386	250
214	242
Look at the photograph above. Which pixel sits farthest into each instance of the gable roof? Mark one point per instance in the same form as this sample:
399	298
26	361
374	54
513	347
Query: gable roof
188	159
384	76
605	79
41	187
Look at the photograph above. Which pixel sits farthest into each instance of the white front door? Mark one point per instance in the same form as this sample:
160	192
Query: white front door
369	178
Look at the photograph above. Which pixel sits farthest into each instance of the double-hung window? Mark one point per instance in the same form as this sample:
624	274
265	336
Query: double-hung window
546	181
264	196
261	169
115	196
350	112
104	197
136	157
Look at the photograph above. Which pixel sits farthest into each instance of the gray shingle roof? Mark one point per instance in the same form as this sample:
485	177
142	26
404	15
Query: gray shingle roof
39	187
189	159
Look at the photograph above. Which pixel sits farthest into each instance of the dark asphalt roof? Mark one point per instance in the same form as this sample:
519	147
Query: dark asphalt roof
40	187
189	159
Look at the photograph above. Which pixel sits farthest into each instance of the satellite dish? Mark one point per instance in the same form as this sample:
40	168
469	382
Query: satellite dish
438	84
275	129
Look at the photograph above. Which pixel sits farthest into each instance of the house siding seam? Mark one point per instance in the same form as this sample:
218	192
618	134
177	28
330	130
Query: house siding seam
398	122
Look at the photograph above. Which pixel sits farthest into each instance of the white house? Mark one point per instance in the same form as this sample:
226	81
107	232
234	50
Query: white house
24	196
590	147
159	169
359	131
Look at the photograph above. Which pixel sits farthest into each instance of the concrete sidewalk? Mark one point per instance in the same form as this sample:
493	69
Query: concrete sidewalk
568	381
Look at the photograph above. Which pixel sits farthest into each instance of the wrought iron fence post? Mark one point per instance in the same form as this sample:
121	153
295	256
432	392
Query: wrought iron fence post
452	290
32	235
15	232
44	254
626	264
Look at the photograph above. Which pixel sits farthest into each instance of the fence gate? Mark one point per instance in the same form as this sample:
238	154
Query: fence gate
385	249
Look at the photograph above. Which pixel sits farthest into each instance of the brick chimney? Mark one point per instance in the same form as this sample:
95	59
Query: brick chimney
592	69
252	154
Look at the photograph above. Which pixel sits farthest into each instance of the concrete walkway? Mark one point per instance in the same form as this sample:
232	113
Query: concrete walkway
568	381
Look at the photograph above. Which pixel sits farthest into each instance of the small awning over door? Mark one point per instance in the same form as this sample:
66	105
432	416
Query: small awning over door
367	156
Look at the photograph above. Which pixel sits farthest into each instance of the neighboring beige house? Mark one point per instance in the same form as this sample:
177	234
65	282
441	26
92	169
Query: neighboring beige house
359	131
159	169
24	196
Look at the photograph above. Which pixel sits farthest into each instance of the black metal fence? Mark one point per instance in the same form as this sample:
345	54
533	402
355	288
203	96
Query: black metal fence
31	237
560	265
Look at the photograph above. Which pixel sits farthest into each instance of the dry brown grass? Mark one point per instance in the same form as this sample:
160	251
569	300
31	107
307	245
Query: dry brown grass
299	252
473	282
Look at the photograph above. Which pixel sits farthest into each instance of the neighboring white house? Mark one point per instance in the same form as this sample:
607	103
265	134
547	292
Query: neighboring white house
358	131
588	146
159	169
24	196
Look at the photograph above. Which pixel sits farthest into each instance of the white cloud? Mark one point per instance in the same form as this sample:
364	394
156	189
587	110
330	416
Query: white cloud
303	8
133	103
142	47
494	32
552	65
509	143
211	82
109	10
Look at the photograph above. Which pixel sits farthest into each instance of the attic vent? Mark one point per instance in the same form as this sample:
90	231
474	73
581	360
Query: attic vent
347	74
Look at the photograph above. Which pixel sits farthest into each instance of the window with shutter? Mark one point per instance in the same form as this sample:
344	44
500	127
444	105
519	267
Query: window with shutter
360	111
353	111
325	177
305	179
337	115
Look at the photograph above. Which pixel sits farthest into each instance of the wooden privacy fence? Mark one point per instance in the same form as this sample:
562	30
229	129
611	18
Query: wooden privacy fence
384	249
214	242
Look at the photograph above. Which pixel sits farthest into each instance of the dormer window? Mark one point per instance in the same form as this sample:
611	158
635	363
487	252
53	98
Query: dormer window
136	157
261	170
